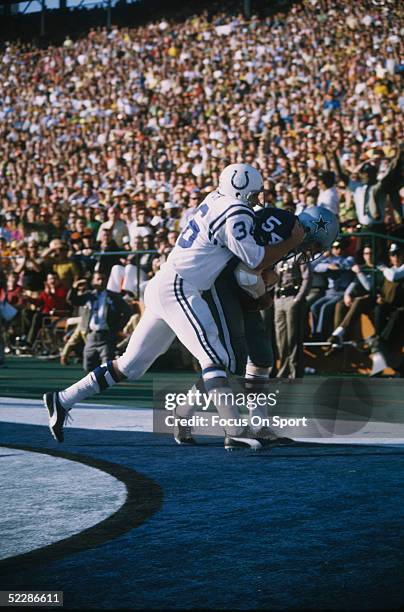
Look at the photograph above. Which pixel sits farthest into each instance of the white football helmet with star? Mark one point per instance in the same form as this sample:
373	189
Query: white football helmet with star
321	228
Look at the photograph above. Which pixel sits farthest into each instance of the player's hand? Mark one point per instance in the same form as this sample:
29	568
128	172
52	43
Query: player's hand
270	277
348	301
356	269
297	235
80	283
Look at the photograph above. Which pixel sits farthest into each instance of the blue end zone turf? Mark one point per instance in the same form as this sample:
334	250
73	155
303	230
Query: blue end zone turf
309	527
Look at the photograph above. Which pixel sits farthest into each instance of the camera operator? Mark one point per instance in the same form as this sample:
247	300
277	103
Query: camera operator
105	313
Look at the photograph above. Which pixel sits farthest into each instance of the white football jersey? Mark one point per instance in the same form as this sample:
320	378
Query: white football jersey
221	227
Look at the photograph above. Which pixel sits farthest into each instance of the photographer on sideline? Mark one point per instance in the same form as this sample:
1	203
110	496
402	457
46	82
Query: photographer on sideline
104	314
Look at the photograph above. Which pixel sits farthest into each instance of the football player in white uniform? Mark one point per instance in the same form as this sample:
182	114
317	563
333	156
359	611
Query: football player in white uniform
239	293
222	227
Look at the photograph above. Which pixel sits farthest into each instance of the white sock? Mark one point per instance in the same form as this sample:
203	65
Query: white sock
84	388
222	399
340	331
257	374
189	409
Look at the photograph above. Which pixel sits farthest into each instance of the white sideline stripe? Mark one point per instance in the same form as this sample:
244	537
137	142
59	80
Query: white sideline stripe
106	417
121	418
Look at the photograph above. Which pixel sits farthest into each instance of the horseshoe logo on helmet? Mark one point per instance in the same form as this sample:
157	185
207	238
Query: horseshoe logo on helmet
240	187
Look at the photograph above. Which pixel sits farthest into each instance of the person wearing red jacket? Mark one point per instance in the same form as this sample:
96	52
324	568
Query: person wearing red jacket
12	292
51	301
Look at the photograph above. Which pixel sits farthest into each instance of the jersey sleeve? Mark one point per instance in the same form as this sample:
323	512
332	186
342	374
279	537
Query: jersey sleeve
236	233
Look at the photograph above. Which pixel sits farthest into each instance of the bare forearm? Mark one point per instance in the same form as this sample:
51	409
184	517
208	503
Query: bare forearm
275	252
35	266
19	268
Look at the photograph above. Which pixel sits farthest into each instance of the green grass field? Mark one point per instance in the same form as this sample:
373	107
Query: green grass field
355	396
29	378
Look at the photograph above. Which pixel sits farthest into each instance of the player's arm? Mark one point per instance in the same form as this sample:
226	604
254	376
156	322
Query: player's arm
393	275
256	287
125	311
74	298
341	171
276	252
390	168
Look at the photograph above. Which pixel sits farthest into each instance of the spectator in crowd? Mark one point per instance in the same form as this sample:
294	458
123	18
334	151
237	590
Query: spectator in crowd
5	252
51	301
5	234
91	221
104	314
118	228
389	312
30	267
140	227
392	293
12	292
359	297
74	342
318	281
10	301
107	245
58	259
369	194
146	259
12	228
328	195
338	270
58	229
32	227
84	255
195	198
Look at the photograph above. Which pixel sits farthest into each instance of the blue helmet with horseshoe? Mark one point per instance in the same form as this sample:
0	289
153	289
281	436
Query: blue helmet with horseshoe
241	181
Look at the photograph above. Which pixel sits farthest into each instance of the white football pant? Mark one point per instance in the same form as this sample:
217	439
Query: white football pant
173	307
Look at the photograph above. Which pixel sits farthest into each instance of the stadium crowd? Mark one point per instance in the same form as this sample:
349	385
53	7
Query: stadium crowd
110	141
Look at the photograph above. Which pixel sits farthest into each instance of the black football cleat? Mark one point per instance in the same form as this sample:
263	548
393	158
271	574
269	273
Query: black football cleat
266	433
263	439
57	415
183	433
246	440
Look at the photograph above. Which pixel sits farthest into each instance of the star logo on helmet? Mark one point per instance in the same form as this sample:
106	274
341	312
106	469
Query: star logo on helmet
321	224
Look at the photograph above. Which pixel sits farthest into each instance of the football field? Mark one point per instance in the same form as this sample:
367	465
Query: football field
120	517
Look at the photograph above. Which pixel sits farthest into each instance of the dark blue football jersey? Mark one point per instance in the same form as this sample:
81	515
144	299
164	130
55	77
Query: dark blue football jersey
273	225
